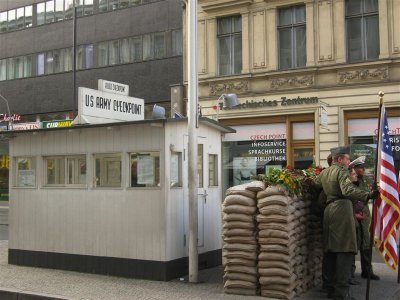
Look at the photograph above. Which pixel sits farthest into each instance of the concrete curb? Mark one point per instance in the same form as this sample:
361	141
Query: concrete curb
15	294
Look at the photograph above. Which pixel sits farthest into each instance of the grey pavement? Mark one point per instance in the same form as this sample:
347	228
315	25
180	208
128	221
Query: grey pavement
56	284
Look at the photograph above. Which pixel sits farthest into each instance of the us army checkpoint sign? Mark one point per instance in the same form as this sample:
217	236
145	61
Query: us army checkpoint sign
102	107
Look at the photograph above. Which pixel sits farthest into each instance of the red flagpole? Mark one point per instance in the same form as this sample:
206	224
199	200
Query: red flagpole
373	217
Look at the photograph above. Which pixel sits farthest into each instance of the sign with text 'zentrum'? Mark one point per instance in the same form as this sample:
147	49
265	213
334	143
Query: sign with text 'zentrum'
108	107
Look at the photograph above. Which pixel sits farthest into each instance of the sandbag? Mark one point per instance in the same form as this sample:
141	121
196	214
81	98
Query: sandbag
238	232
274	272
274	257
277	248
267	210
274	234
240	247
278	226
266	280
240	239
241	276
255	186
239	199
239	209
239	254
241	261
238	217
274	200
242	284
238	224
240	190
274	219
272	190
244	292
276	241
241	269
277	294
274	264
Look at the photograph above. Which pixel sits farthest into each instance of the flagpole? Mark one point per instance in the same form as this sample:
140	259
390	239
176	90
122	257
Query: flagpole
375	186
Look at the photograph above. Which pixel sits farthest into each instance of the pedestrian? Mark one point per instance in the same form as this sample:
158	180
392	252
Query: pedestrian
338	224
358	165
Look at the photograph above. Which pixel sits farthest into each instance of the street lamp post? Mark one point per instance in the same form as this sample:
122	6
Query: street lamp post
9	125
192	133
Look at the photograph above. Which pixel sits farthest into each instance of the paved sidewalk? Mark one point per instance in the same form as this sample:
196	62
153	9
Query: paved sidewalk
56	284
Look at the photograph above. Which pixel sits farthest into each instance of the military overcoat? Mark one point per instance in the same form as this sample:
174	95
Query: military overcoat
339	224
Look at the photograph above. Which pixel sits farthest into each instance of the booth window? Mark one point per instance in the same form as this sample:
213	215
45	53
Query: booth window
145	169
108	170
65	170
212	170
200	164
25	170
176	167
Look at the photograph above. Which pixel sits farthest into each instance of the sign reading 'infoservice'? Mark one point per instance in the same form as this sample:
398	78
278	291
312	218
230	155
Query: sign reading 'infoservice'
98	104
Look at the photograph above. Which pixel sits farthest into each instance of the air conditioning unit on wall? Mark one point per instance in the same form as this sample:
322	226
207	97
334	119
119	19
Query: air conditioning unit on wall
177	103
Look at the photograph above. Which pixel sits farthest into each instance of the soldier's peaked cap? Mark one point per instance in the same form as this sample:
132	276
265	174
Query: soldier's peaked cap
340	150
358	162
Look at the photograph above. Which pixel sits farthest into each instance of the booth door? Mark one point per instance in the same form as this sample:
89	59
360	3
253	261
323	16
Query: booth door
201	191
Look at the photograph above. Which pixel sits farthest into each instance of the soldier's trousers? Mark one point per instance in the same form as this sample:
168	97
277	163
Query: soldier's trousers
339	270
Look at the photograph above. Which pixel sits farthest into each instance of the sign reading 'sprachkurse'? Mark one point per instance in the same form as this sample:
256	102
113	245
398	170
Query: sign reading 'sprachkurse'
98	104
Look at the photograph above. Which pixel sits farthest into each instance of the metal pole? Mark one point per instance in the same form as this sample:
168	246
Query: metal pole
192	132
9	123
373	217
74	60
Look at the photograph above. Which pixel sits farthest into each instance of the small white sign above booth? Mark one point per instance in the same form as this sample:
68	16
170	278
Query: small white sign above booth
97	107
113	87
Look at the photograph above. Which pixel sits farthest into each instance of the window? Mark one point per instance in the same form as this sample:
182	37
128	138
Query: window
200	156
28	16
65	170
25	171
10	68
229	45
27	65
176	167
103	5
59	10
49	65
57	61
136	49
3	21
40	11
12	23
159	45
292	37
66	59
88	7
113	4
20	17
102	54
69	9
362	28
148	46
84	57
145	169
50	11
113	52
40	64
107	170
176	42
89	56
124	3
19	67
212	170
124	51
3	69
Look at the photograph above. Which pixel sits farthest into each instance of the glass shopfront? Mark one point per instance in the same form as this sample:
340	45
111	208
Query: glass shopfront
362	138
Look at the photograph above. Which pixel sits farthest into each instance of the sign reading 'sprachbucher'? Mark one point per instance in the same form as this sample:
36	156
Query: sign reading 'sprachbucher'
101	107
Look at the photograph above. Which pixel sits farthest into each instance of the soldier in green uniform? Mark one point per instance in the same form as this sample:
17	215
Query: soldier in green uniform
339	231
363	234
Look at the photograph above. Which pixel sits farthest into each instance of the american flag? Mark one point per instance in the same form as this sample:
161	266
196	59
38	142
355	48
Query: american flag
387	206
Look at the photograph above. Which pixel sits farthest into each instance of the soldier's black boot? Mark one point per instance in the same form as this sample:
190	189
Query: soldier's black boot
366	266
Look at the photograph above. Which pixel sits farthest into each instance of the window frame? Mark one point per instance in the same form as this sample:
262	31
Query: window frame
106	157
156	154
33	162
65	172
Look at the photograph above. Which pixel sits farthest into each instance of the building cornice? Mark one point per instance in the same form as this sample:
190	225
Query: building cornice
212	5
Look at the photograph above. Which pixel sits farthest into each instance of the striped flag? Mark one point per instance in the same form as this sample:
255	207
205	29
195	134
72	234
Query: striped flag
387	206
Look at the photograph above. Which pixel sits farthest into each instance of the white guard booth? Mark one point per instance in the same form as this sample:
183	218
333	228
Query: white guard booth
113	198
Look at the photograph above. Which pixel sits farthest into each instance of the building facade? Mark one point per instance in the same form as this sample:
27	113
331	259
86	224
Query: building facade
135	42
307	74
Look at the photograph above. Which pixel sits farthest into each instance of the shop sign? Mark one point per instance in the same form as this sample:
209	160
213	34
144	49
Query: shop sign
113	87
259	132
57	124
26	126
283	101
6	117
108	107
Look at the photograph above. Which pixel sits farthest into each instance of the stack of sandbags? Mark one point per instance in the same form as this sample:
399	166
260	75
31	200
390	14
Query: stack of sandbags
239	235
277	230
315	250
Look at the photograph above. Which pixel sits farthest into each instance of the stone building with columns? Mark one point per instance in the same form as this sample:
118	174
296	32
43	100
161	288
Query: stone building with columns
307	74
